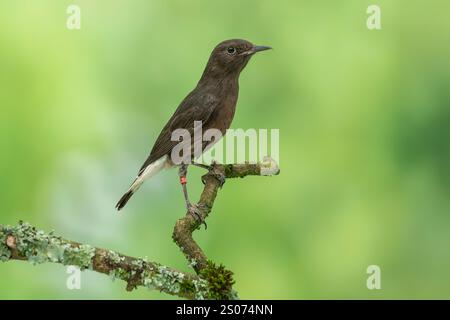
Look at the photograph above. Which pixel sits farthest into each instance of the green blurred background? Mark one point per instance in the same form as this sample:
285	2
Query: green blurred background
364	119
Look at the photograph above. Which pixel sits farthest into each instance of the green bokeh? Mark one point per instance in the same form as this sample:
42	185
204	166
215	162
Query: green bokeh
364	119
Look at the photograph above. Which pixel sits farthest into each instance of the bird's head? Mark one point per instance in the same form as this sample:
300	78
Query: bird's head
231	56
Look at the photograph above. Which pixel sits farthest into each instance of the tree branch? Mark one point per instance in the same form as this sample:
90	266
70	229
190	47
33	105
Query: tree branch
185	226
25	242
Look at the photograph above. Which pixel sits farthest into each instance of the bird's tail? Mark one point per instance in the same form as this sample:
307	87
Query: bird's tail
123	201
147	172
134	187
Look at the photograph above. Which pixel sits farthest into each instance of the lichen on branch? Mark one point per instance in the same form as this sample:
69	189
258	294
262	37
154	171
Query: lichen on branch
211	281
25	242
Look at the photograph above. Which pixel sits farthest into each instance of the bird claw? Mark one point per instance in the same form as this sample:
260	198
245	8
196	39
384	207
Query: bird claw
221	178
213	171
194	210
218	174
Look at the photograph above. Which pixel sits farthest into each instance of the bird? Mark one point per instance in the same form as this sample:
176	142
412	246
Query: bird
212	104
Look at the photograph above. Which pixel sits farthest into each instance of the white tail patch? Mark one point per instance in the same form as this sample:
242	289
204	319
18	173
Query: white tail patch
152	169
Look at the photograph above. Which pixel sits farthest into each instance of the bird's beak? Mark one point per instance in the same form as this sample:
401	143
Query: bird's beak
255	49
260	48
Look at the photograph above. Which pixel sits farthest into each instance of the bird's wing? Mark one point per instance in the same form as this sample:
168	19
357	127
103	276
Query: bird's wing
193	108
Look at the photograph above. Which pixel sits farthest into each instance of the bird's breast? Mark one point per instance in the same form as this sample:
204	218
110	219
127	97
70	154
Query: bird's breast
223	114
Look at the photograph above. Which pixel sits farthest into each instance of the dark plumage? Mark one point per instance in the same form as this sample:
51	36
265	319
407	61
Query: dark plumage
213	102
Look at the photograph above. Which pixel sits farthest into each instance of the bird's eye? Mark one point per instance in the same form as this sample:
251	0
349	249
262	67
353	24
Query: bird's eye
231	50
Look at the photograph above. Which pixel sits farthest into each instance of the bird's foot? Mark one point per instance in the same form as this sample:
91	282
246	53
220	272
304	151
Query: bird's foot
217	173
213	170
194	210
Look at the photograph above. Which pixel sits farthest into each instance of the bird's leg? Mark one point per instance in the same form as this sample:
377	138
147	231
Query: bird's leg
193	209
201	165
182	173
219	175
